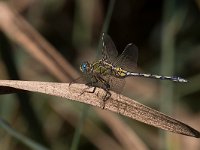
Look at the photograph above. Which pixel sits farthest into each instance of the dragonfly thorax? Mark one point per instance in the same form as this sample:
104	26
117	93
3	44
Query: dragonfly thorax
85	67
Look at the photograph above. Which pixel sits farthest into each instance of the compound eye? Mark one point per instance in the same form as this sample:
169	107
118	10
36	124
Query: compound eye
84	66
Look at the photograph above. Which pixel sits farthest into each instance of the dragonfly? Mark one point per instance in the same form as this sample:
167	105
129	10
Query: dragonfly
111	69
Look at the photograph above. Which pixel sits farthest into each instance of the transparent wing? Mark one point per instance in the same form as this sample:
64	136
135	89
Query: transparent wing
128	59
85	79
109	51
81	79
116	84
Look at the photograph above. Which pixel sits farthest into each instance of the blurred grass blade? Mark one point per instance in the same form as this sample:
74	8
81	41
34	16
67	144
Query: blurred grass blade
117	103
79	127
31	144
90	129
22	33
123	133
108	15
173	19
7	55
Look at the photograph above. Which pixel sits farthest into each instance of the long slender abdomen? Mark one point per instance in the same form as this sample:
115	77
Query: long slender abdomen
172	78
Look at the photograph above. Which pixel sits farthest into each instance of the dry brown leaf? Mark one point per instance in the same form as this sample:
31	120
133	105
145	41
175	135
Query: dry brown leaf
116	103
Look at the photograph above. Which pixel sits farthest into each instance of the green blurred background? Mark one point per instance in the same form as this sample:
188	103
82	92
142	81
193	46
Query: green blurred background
166	33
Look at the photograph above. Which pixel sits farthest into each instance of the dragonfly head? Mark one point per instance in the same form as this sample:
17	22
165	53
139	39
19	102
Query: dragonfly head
85	67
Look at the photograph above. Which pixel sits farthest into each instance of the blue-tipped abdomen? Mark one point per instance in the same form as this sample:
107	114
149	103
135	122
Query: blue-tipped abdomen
172	78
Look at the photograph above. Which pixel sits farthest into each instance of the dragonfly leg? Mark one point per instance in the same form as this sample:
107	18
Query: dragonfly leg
90	84
73	81
106	88
106	97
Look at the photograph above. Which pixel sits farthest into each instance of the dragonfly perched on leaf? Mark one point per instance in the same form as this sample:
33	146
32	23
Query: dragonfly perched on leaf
110	71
